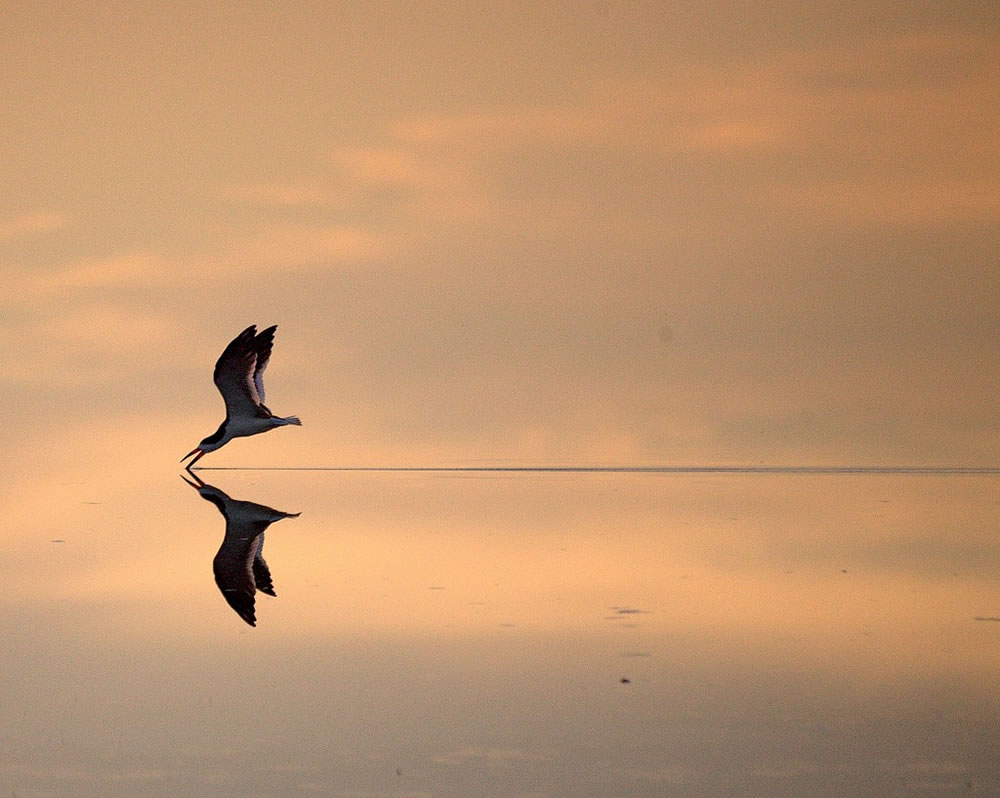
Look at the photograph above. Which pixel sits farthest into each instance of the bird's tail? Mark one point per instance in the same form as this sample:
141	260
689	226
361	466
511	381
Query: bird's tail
291	420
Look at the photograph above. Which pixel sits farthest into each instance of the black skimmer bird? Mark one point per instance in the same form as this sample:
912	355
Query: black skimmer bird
240	570
239	377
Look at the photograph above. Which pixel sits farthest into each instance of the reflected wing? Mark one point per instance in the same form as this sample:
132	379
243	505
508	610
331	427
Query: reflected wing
262	345
239	567
261	573
233	567
234	374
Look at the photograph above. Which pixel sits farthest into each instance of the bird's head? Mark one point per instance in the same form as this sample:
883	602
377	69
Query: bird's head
209	444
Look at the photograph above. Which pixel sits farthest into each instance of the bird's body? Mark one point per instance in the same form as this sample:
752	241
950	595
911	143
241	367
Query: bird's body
239	377
239	566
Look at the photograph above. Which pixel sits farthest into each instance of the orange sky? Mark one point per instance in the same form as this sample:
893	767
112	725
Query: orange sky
514	233
607	232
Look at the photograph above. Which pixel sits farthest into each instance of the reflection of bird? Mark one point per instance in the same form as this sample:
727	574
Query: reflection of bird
239	377
240	570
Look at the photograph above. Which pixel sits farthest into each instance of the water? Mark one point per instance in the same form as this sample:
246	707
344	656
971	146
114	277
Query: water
508	633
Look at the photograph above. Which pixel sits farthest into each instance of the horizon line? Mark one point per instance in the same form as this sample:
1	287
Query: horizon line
626	469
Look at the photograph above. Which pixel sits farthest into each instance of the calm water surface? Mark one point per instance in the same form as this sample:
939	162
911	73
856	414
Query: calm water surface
491	634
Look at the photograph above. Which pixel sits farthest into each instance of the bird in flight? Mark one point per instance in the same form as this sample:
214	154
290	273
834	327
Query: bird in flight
239	377
239	567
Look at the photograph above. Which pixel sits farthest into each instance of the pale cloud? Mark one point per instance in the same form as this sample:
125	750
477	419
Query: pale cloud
28	223
283	246
391	166
97	273
896	130
737	134
104	329
68	346
679	111
859	132
283	195
38	288
425	182
295	247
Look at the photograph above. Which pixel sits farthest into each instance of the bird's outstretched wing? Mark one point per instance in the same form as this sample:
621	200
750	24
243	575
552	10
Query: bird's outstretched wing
234	374
233	567
262	344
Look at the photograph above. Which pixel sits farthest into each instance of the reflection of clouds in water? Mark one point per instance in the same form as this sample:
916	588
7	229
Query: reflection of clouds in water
676	775
493	756
937	776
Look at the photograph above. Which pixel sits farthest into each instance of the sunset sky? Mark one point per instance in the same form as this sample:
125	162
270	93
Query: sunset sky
514	233
519	232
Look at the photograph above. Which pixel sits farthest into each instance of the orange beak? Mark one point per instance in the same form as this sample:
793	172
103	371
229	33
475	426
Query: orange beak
197	484
196	451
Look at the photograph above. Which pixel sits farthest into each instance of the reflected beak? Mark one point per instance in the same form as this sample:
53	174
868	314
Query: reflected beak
195	451
196	485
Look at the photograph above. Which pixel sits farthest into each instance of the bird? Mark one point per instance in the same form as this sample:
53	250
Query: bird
239	377
239	566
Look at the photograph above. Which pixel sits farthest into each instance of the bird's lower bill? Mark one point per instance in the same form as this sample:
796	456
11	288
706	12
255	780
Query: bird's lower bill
196	451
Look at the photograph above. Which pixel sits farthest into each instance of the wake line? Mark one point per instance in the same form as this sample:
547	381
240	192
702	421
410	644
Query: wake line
722	469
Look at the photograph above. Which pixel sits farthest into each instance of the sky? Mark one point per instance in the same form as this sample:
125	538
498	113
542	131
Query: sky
517	233
506	233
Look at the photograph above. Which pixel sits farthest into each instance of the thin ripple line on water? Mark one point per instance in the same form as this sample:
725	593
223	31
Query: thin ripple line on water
626	469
